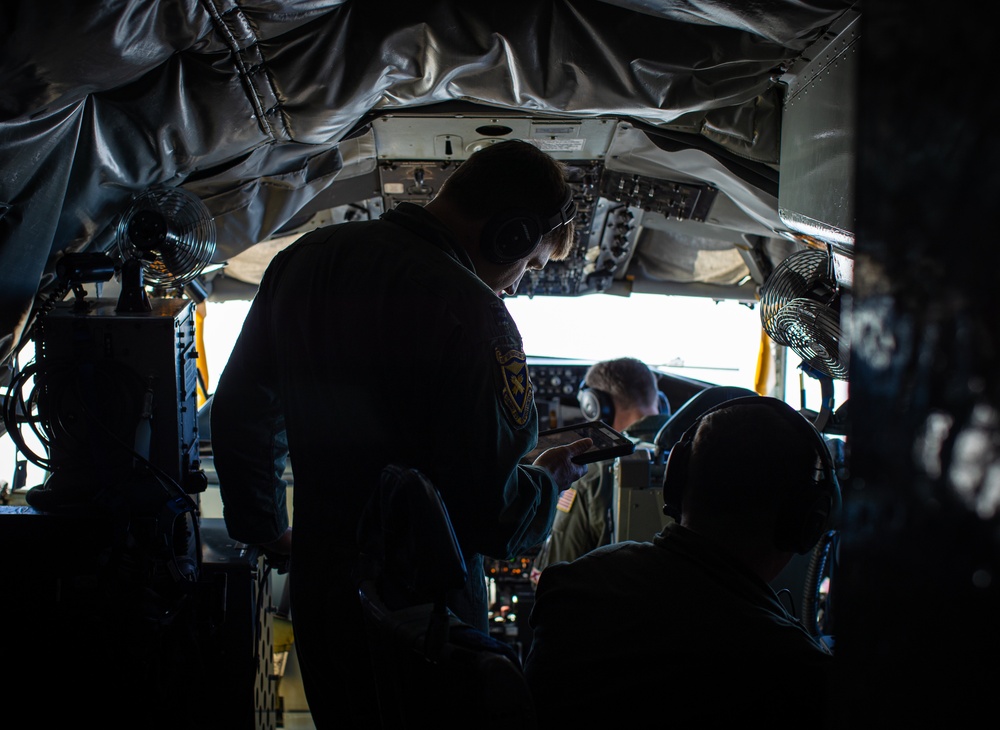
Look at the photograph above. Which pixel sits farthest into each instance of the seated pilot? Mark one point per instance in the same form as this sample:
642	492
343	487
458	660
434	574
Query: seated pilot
623	393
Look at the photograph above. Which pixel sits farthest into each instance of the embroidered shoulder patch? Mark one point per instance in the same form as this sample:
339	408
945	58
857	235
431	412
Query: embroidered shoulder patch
517	394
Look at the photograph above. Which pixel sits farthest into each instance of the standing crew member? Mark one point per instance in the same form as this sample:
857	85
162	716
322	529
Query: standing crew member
339	316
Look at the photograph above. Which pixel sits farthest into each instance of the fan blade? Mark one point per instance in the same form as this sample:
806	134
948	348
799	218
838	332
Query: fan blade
147	230
800	309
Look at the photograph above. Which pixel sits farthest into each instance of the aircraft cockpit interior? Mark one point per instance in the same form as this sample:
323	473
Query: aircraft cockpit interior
821	166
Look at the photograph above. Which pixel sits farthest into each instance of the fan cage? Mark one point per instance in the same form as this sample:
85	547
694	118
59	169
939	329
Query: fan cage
813	333
189	243
800	309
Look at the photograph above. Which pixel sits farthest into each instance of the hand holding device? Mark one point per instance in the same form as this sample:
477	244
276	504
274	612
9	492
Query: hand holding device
607	443
560	462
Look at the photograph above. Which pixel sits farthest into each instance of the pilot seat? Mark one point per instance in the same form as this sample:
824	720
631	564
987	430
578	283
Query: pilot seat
685	416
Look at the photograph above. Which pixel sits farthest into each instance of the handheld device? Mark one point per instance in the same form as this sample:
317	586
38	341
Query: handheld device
608	443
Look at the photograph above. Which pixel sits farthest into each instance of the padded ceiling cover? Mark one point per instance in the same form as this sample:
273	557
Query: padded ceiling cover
249	104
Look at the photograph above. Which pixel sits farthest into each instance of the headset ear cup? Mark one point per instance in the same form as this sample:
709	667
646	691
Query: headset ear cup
809	512
596	405
674	477
510	236
802	520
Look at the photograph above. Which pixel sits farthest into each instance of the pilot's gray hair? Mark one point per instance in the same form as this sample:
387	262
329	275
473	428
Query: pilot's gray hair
628	380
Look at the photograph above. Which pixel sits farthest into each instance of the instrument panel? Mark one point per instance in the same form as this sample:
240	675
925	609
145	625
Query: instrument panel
604	230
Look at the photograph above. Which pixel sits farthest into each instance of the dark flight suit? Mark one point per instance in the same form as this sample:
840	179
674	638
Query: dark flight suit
676	629
373	343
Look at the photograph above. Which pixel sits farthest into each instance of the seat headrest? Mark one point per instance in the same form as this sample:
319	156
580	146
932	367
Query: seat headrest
688	413
646	428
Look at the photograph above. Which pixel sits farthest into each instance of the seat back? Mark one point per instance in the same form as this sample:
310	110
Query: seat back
433	670
638	488
685	416
645	429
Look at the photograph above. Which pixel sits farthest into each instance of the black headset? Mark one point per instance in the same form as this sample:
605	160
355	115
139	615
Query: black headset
805	513
512	235
598	405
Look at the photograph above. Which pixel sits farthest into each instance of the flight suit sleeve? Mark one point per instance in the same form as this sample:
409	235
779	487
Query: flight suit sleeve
249	443
500	508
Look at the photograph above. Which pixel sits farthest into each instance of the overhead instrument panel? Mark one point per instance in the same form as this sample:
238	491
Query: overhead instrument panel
601	241
681	201
454	137
417	154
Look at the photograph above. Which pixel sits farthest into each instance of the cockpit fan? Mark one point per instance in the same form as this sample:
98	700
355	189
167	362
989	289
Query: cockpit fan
166	237
800	308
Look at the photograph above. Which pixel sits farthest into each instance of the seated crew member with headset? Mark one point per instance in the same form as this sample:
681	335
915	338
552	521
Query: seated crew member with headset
624	394
687	625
